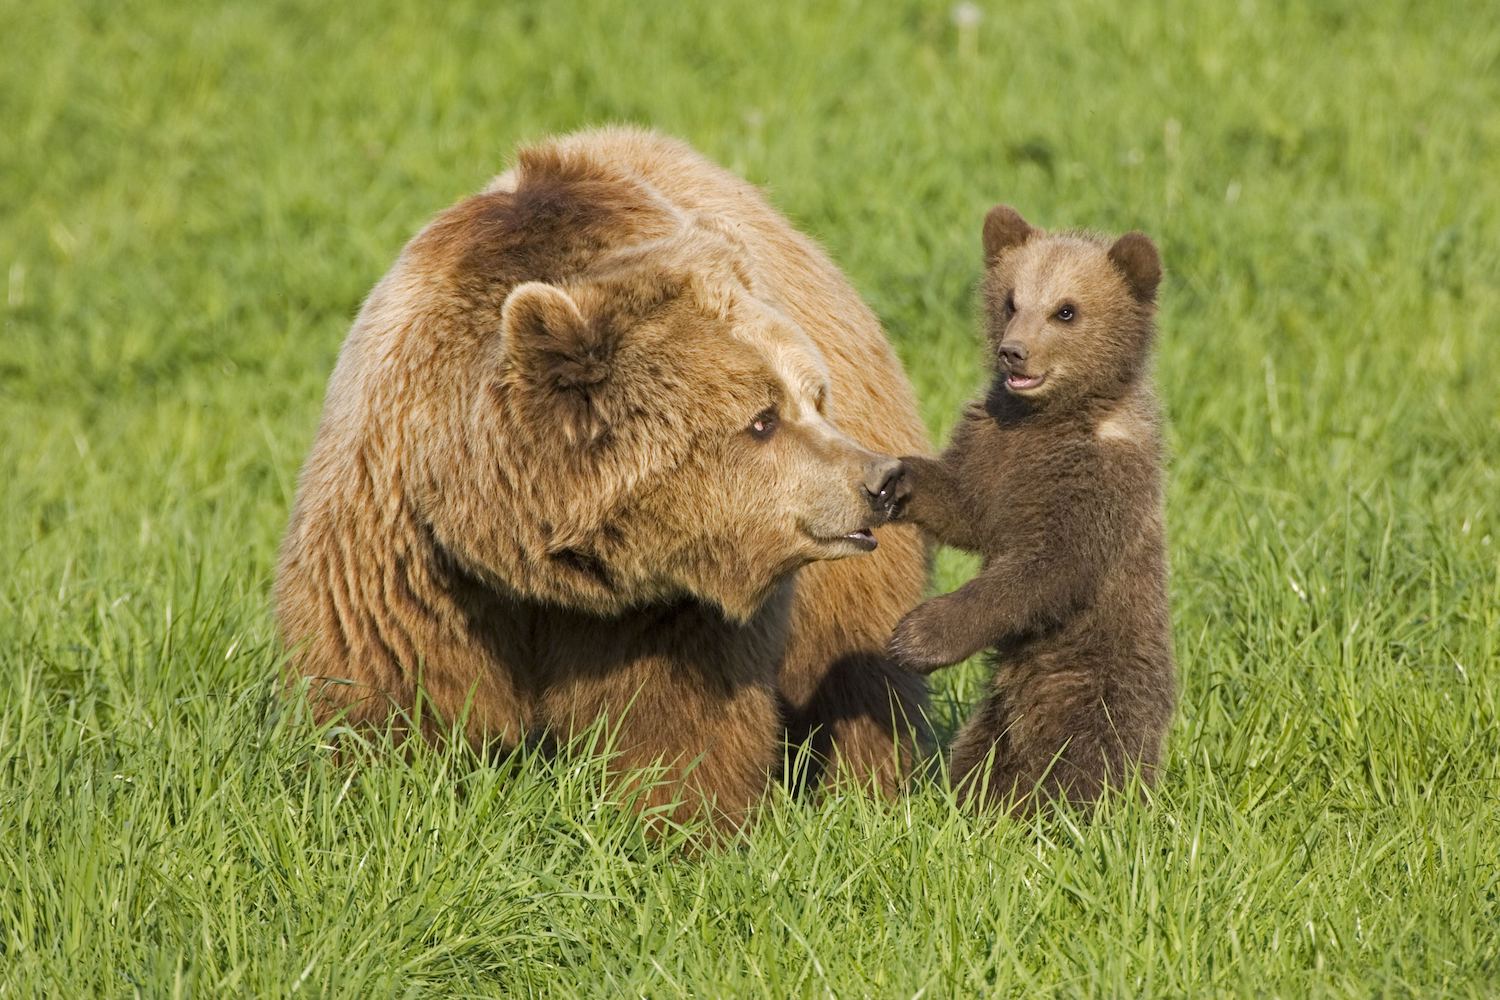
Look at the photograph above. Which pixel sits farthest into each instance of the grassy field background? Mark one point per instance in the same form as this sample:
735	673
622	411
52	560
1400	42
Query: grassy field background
193	200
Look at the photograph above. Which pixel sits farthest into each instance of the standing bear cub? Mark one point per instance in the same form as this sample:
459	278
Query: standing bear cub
1055	479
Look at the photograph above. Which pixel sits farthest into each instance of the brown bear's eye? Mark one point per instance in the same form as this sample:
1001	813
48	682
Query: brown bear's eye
1066	314
1010	303
764	424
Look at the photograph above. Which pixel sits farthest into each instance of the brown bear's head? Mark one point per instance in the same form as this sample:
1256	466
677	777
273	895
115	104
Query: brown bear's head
650	429
1069	314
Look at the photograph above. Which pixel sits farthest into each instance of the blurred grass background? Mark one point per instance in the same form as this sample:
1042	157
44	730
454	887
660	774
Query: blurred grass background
194	199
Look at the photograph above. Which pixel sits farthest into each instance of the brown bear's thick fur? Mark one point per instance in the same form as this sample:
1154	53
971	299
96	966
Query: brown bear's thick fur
589	452
1055	479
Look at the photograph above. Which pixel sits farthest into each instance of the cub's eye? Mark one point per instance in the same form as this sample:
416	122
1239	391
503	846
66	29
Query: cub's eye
764	424
1010	303
1066	313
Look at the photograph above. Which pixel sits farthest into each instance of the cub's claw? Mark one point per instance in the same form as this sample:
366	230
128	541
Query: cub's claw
898	494
920	642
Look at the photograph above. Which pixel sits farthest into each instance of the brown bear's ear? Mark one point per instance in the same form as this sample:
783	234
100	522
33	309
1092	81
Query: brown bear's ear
1004	228
555	357
1135	255
736	252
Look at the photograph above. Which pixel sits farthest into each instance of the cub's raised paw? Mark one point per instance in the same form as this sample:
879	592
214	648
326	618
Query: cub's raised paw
897	495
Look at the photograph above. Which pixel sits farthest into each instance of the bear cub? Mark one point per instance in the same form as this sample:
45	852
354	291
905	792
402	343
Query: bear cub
1054	478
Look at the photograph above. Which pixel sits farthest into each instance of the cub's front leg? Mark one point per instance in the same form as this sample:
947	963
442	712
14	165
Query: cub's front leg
949	629
937	494
929	495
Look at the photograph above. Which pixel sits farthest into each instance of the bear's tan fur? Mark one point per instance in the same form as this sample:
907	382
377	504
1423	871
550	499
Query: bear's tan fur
594	449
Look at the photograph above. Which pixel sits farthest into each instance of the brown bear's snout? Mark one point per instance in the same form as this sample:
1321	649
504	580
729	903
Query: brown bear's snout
881	478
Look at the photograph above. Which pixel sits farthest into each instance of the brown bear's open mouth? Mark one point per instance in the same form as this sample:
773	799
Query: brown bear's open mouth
1015	381
862	540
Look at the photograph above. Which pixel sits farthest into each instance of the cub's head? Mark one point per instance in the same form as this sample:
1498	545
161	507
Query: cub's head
653	429
1070	315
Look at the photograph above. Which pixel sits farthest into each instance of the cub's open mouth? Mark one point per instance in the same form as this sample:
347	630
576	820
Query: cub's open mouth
1014	382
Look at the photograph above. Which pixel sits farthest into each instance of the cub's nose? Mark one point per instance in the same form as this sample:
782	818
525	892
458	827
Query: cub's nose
1014	352
881	477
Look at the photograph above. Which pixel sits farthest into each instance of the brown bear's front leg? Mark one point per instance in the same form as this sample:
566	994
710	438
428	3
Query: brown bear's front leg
857	717
684	690
863	724
718	766
717	749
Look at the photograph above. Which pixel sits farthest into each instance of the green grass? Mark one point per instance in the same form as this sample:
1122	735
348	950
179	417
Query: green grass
193	202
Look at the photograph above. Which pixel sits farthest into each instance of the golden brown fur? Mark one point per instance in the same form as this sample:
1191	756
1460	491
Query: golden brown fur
543	492
1054	478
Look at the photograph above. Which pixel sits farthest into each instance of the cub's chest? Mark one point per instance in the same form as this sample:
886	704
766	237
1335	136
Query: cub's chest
1014	457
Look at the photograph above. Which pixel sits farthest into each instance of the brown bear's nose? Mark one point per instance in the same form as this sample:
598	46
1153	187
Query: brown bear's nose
1013	351
881	476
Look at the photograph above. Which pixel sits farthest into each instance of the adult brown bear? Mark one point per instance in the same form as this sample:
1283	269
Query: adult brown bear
596	447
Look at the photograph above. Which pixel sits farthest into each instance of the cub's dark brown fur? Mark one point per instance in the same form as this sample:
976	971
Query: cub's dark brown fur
1055	479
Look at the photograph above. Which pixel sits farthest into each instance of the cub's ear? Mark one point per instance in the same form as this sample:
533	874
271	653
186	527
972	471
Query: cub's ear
558	364
1136	257
1004	228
